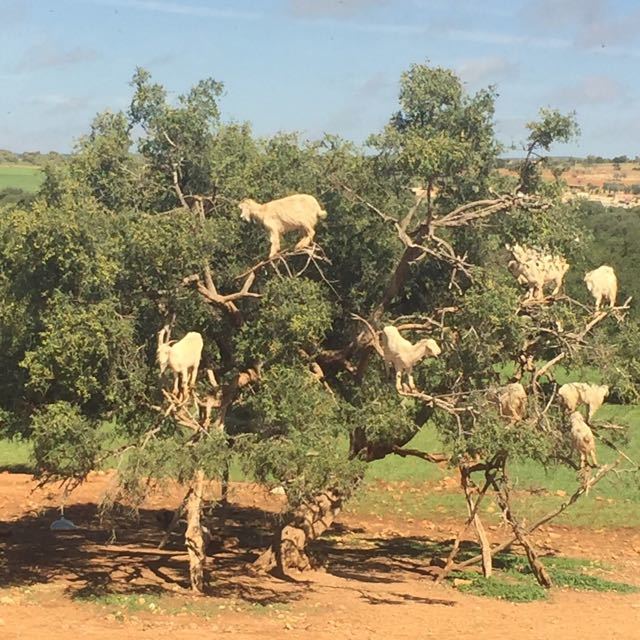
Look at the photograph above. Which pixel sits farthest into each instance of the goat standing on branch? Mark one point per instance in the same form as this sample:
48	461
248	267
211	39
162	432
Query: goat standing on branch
572	394
537	269
602	283
583	439
512	400
182	357
403	355
297	212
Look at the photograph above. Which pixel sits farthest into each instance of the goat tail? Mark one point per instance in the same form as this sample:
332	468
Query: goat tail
322	213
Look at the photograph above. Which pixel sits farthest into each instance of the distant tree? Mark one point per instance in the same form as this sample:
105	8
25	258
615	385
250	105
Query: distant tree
551	127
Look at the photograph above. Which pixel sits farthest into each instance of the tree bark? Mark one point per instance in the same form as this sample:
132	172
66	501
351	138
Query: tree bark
472	507
538	569
289	547
195	535
224	485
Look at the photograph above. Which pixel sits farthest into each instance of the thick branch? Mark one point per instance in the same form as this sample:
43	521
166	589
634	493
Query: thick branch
436	458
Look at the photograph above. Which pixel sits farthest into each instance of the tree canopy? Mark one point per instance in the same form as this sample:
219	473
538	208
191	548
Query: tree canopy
141	229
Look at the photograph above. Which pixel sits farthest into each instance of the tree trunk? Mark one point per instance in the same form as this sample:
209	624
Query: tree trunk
195	535
472	507
541	574
289	547
224	485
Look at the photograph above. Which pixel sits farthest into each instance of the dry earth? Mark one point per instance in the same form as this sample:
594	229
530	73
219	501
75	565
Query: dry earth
374	584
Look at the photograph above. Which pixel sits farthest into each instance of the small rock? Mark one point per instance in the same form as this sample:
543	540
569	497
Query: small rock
278	491
561	493
459	582
7	600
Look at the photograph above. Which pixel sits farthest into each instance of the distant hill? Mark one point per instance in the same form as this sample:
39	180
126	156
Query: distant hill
35	158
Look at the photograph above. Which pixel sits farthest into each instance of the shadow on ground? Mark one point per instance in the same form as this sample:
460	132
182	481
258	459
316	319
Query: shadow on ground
123	556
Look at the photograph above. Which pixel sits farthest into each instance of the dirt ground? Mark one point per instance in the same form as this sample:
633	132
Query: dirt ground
373	583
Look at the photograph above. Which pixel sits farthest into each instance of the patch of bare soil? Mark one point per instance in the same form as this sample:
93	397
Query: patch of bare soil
376	580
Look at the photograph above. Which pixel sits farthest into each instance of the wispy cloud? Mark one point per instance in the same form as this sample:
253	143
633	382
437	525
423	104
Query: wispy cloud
498	38
593	23
160	60
183	8
45	55
616	31
554	14
332	8
591	90
349	118
55	103
486	69
13	13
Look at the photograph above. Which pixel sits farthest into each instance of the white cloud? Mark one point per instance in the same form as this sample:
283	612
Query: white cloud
332	8
487	69
591	90
59	103
44	55
498	38
182	8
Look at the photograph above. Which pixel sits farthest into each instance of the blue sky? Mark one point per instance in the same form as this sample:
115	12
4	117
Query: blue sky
320	65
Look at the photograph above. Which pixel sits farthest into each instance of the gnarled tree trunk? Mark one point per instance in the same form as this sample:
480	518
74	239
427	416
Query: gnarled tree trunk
195	537
307	523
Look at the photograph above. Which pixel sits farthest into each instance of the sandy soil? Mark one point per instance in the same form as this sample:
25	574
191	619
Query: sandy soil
374	584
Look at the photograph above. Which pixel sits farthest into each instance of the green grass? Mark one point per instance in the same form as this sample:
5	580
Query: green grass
614	502
513	580
15	455
504	588
25	177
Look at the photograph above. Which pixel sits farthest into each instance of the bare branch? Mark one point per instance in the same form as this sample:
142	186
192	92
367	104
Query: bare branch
375	341
545	368
436	458
225	301
176	186
582	490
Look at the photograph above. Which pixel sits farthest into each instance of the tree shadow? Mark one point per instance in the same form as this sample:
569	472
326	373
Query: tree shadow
17	467
122	556
90	562
389	560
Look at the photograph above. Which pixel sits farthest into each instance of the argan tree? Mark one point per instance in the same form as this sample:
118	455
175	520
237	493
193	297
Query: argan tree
119	246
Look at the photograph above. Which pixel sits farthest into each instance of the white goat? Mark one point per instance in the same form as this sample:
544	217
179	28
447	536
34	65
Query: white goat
536	269
297	212
574	393
182	357
512	400
602	283
403	355
530	273
583	439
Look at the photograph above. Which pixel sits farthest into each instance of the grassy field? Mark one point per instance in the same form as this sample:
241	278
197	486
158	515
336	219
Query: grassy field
14	455
614	502
25	177
413	488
